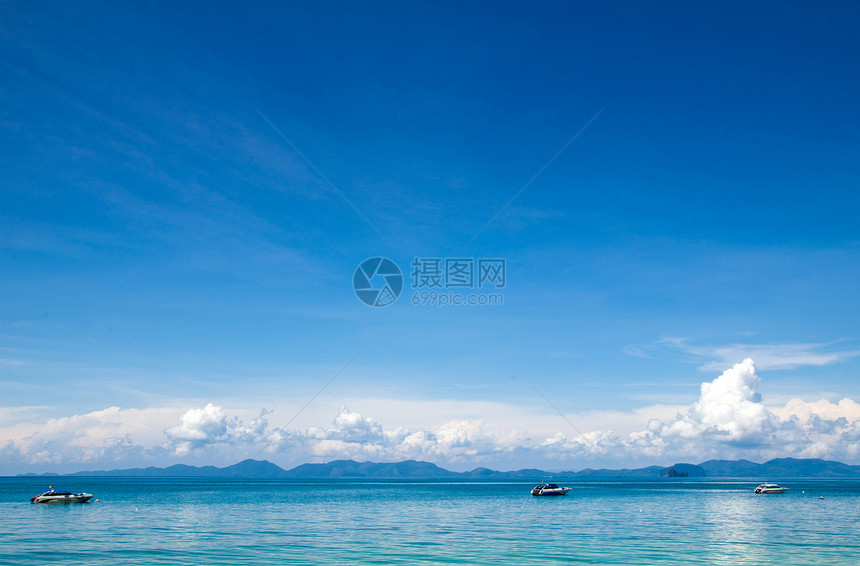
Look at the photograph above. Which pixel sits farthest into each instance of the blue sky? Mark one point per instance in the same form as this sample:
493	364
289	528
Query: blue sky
188	190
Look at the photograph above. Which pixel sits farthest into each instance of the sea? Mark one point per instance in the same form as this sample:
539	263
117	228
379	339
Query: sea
259	522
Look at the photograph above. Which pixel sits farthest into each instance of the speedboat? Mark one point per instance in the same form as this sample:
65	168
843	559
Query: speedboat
549	489
770	488
54	496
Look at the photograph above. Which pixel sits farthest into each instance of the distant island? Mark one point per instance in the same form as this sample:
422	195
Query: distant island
350	469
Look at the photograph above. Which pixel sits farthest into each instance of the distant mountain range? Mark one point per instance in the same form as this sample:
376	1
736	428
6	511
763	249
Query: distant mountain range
349	469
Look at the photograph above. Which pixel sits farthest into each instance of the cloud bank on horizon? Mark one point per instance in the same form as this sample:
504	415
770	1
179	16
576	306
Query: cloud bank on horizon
729	420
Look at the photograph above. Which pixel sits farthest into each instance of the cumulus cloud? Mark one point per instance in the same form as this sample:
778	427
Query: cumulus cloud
211	426
199	426
803	410
106	436
354	436
729	419
729	408
350	427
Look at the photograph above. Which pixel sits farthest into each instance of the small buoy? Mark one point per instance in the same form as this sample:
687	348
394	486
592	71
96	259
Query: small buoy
97	500
822	497
640	510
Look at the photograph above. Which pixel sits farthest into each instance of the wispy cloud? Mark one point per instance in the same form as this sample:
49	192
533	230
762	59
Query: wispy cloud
715	357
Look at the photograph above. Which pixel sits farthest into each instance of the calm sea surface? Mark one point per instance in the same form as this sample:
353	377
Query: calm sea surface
146	521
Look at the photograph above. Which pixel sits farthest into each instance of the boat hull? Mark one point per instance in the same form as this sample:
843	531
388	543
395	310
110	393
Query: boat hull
73	498
770	488
550	492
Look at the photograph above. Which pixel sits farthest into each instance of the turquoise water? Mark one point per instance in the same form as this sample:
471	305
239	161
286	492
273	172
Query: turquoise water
145	521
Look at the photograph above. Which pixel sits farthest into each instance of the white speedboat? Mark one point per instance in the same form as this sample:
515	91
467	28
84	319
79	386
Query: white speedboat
54	496
770	488
549	489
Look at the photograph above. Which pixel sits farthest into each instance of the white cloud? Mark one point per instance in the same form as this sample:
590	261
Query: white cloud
350	427
211	425
354	436
728	420
846	408
731	406
106	436
198	427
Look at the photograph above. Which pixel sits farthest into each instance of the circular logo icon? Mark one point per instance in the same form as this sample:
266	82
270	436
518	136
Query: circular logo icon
377	282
